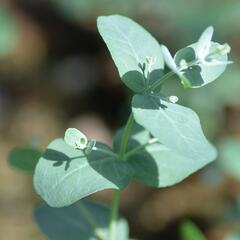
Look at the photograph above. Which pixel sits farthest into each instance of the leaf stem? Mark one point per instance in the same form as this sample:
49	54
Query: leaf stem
138	148
125	137
160	81
114	214
88	216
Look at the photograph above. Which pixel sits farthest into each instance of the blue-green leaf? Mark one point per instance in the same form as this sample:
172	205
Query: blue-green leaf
83	220
175	126
24	158
159	166
130	45
156	165
64	175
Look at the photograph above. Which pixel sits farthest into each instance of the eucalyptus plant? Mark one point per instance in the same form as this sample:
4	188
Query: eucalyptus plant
161	144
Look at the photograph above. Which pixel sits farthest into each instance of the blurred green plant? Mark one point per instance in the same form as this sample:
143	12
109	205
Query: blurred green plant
226	17
161	144
229	156
234	236
8	31
24	158
189	231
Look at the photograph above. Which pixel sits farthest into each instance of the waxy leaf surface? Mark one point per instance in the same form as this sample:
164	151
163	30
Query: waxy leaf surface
64	175
130	45
71	223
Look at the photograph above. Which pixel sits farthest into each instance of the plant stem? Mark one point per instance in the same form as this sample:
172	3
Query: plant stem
88	216
138	148
125	137
117	193
160	81
114	214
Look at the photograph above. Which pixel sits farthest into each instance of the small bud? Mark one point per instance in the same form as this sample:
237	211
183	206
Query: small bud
149	60
183	64
76	139
173	99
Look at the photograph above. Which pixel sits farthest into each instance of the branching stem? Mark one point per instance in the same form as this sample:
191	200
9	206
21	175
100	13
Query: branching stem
140	147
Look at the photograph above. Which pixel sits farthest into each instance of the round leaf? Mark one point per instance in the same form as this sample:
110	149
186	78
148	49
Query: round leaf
130	45
64	175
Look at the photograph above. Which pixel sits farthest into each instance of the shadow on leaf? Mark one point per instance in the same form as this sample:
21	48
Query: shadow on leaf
136	81
59	158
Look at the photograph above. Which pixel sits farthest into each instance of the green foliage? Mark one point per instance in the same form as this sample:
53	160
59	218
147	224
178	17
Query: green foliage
24	158
161	144
189	231
130	46
175	126
8	32
155	165
85	220
210	101
64	174
178	148
229	156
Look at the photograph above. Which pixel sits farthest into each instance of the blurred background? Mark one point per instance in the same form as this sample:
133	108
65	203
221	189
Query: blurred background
56	72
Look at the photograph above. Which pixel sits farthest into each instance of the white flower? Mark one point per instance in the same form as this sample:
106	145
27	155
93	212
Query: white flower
203	50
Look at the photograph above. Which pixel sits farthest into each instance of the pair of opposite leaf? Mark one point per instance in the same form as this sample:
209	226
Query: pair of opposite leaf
76	139
205	56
